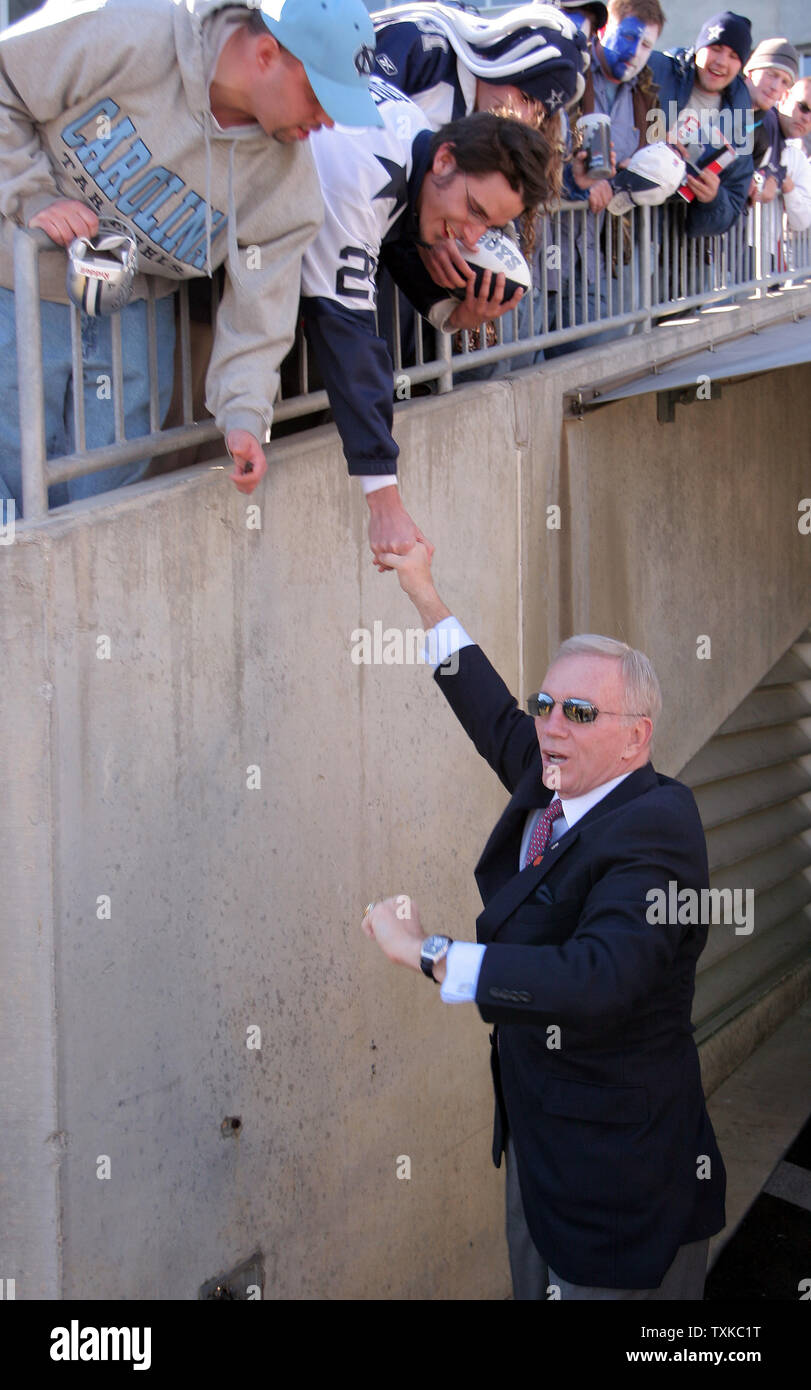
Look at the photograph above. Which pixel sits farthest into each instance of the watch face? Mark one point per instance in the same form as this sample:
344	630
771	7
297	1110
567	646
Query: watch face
433	946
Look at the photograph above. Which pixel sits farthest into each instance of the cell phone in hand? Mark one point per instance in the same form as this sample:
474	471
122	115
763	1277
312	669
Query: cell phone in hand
713	161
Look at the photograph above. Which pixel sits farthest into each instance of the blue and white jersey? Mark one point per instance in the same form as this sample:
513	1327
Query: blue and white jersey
370	180
364	174
419	58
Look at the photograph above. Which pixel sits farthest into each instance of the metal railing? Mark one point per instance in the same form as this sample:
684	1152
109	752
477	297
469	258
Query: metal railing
594	276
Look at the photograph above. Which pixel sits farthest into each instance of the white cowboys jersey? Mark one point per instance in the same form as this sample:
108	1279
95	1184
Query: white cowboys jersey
364	176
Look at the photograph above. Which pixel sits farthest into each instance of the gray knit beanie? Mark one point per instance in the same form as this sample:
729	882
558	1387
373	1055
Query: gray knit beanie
776	53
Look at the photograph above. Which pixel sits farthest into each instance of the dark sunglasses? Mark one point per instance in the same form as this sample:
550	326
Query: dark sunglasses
578	711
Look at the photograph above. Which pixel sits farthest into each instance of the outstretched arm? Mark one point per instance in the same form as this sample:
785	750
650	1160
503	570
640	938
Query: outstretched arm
357	371
503	735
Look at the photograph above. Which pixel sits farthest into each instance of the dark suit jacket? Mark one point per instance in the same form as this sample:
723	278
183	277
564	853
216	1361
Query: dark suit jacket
616	1156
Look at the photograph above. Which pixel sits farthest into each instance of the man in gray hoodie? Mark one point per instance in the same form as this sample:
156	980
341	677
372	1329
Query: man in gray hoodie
188	120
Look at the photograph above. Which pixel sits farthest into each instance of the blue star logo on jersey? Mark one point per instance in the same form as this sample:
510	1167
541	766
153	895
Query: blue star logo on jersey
397	186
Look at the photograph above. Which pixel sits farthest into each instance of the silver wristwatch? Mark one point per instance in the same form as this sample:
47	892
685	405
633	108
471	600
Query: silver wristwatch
434	948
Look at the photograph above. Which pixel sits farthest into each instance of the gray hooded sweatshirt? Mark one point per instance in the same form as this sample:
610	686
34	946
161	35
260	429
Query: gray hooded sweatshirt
107	101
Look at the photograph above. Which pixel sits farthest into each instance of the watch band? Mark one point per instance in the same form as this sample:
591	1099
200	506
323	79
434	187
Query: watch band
434	949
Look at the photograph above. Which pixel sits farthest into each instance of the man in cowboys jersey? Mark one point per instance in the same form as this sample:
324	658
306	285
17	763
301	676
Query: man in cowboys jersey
386	191
529	62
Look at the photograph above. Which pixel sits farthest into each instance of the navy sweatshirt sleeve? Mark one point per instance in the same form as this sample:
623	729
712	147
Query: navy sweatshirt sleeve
709	219
488	712
357	371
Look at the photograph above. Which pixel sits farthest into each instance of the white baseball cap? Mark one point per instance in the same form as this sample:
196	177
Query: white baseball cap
651	176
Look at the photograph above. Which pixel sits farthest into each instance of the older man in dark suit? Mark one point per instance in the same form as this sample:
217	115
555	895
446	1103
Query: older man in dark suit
614	1179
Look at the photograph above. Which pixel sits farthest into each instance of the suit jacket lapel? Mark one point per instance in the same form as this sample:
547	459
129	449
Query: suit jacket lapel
518	888
504	843
499	858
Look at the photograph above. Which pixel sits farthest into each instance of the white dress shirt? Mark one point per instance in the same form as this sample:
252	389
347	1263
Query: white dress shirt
464	959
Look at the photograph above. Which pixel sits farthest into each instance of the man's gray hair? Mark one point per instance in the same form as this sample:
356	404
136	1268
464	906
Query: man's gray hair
642	691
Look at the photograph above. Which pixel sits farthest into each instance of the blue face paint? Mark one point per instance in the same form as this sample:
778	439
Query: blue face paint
620	43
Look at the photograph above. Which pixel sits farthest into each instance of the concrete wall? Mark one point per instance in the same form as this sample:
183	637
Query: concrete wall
230	648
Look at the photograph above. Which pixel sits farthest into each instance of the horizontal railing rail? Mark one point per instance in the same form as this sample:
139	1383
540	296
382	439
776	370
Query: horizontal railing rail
593	276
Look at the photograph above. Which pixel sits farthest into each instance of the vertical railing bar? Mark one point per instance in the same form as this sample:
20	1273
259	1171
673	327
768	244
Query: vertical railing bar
30	371
572	275
303	353
185	356
118	376
545	274
604	272
721	267
635	264
444	352
584	265
653	263
533	280
77	380
646	267
152	359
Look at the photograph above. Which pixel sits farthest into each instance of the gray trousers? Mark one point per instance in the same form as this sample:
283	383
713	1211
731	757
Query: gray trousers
534	1279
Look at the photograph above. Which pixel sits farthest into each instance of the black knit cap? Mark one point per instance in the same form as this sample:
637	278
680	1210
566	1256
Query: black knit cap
733	30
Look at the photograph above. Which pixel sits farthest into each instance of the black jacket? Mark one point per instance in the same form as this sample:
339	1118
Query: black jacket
616	1156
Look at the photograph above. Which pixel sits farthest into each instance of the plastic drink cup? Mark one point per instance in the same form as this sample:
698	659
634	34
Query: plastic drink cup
596	129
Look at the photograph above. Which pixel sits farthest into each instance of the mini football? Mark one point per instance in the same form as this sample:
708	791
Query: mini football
497	252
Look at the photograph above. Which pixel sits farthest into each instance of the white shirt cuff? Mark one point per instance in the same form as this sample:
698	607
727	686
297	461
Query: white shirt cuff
373	482
462	965
444	640
440	312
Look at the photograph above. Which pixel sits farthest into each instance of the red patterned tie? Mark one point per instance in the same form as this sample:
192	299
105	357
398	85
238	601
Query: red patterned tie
542	833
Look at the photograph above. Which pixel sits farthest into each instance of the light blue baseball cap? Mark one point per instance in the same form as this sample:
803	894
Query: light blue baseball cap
334	40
